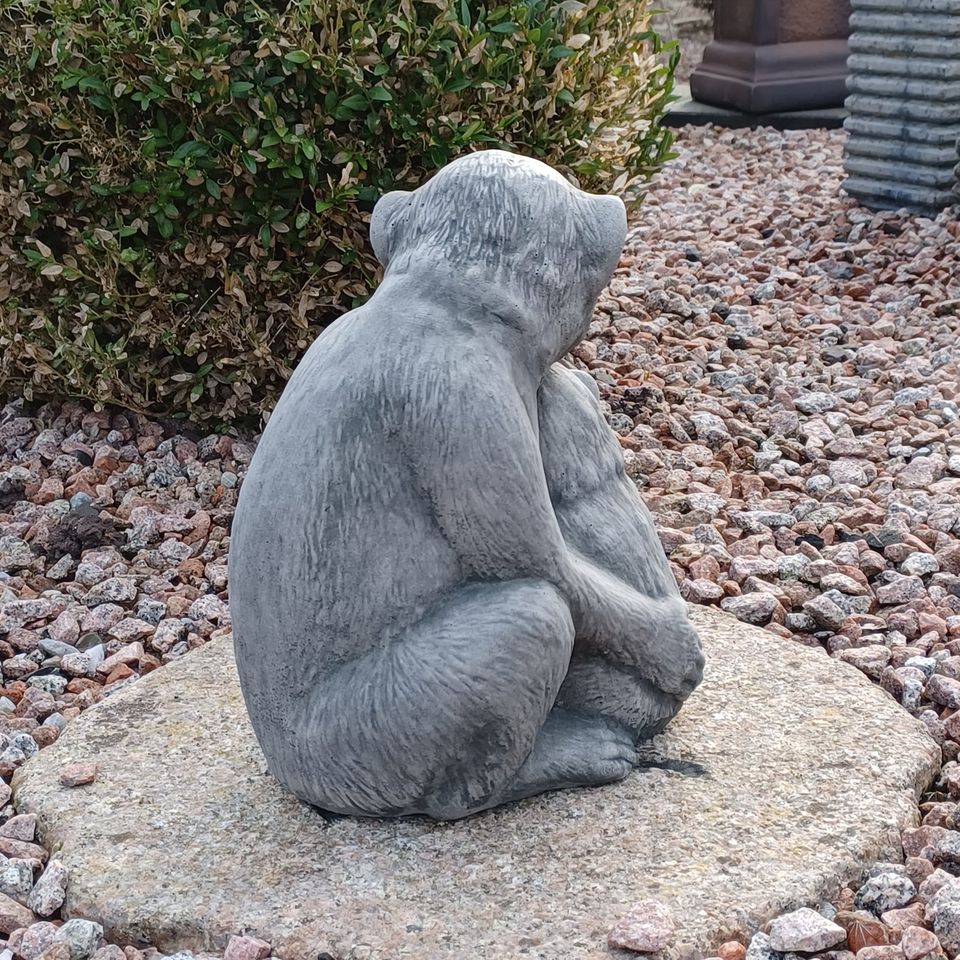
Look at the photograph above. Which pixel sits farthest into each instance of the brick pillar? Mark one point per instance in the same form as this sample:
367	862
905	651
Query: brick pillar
774	55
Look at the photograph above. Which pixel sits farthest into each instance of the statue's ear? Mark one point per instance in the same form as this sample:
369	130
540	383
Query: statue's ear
386	223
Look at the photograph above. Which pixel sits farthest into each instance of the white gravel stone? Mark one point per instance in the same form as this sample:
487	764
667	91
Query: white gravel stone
804	930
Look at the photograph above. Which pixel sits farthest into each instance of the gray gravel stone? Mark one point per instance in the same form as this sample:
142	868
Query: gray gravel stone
759	948
16	879
811	403
15	554
884	892
920	564
81	936
944	912
113	590
824	612
48	893
755	608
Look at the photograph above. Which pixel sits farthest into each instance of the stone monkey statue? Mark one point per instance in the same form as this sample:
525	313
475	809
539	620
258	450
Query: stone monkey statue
446	594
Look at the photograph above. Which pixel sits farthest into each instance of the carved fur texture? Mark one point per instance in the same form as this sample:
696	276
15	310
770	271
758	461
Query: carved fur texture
446	593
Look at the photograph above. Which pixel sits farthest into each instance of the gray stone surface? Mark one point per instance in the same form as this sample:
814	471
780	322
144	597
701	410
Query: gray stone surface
942	91
916	6
784	774
906	20
918	174
893	44
923	111
887	129
902	150
914	67
904	102
446	593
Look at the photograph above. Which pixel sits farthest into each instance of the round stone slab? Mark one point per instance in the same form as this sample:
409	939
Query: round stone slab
785	772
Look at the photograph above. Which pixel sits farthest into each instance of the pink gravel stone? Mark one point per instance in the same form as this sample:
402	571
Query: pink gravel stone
246	948
917	942
78	774
647	928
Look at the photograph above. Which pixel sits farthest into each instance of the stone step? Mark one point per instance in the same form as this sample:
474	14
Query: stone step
901	6
899	45
885	194
894	129
786	774
917	68
902	150
905	23
921	175
904	88
923	110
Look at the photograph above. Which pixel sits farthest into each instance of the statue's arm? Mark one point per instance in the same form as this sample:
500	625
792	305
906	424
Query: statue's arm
480	469
631	608
474	455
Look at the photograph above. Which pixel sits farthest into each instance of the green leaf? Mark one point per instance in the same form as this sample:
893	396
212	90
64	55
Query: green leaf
506	27
265	237
91	83
303	217
240	88
249	162
189	149
164	226
297	56
213	188
380	94
355	101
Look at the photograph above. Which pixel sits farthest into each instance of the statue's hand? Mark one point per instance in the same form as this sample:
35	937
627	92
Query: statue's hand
676	661
653	635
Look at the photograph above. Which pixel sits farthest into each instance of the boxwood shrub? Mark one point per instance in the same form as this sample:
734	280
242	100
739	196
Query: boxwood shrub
185	185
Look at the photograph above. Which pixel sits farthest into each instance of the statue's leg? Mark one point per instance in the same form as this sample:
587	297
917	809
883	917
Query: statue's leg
597	686
454	715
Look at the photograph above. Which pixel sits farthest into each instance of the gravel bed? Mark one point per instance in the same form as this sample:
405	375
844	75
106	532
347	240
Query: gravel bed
781	367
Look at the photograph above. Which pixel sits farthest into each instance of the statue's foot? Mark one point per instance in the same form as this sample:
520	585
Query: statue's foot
574	750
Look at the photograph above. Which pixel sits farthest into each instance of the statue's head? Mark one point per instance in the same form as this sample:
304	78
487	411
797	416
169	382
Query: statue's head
500	218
